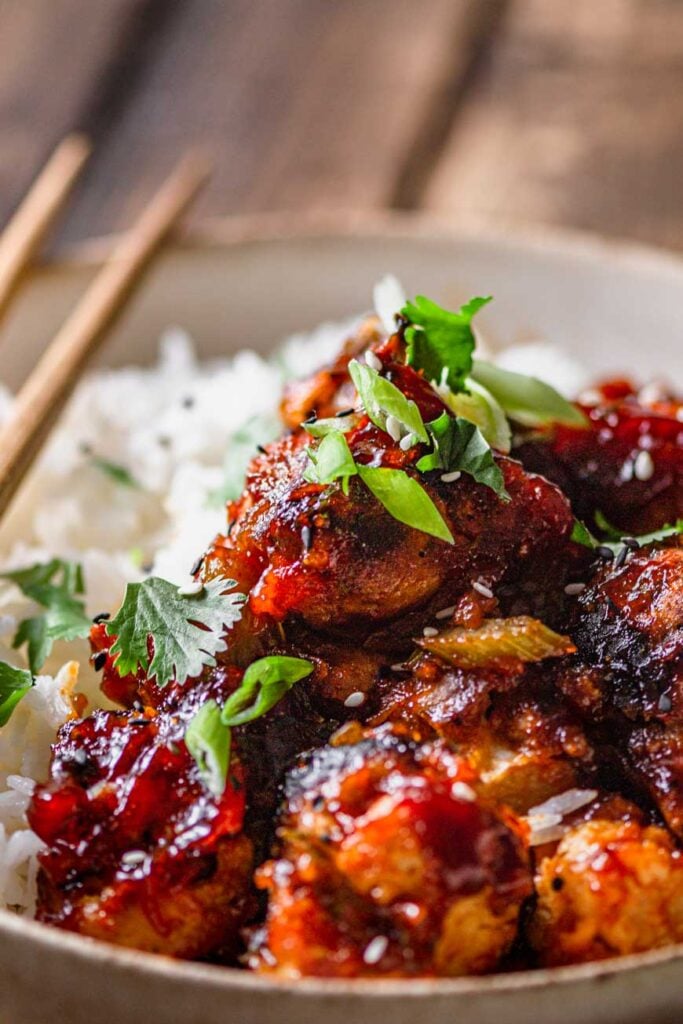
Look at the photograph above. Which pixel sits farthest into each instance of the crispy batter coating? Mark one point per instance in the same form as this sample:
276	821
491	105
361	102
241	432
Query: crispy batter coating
138	851
390	865
611	888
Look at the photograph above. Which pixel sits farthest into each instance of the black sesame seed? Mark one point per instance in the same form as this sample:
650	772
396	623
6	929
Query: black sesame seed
102	617
557	883
622	555
188	401
306	537
99	660
261	449
631	543
344	412
319	803
139	721
311	418
604	552
422	554
197	566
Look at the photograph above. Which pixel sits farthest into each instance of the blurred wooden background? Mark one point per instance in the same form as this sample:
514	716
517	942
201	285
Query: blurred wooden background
553	111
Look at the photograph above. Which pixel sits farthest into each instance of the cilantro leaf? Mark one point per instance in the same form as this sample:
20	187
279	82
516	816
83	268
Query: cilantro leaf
208	740
460	445
382	399
185	630
14	684
330	461
264	683
56	585
527	400
440	342
116	472
406	500
208	735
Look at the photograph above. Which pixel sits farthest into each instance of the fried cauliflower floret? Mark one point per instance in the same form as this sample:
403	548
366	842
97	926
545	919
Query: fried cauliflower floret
390	865
611	888
138	851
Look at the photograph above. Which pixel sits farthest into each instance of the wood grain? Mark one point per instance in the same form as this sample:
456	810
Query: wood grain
576	119
305	104
52	54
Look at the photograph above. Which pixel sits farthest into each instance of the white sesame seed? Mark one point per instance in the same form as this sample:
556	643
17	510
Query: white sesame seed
373	361
464	792
574	588
445	613
354	700
643	466
190	589
482	589
393	428
430	631
132	857
399	667
651	393
375	949
450	478
406	442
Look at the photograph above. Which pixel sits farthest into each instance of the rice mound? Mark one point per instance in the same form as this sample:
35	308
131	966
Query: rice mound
171	426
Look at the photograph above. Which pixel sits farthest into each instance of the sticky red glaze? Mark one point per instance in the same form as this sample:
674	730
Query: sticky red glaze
595	467
124	781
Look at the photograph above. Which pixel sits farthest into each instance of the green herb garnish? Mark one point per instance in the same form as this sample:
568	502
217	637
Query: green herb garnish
527	400
406	500
460	445
208	735
241	448
382	399
208	740
330	461
439	342
14	684
480	407
581	535
57	586
185	630
116	472
330	425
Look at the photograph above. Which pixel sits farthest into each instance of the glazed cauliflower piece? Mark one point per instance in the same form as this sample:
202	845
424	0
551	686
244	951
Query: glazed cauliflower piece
390	865
610	888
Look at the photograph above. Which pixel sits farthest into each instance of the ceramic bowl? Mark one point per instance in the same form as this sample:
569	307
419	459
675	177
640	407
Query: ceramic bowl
617	308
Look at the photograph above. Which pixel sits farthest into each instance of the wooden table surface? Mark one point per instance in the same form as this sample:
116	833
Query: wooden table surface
554	111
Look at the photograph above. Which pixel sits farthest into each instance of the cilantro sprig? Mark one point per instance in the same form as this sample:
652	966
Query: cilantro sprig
440	342
57	587
460	445
208	736
184	631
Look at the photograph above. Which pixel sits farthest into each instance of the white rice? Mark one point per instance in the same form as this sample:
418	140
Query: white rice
171	426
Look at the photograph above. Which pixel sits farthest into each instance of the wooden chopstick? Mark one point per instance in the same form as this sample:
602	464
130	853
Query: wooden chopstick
37	212
50	384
